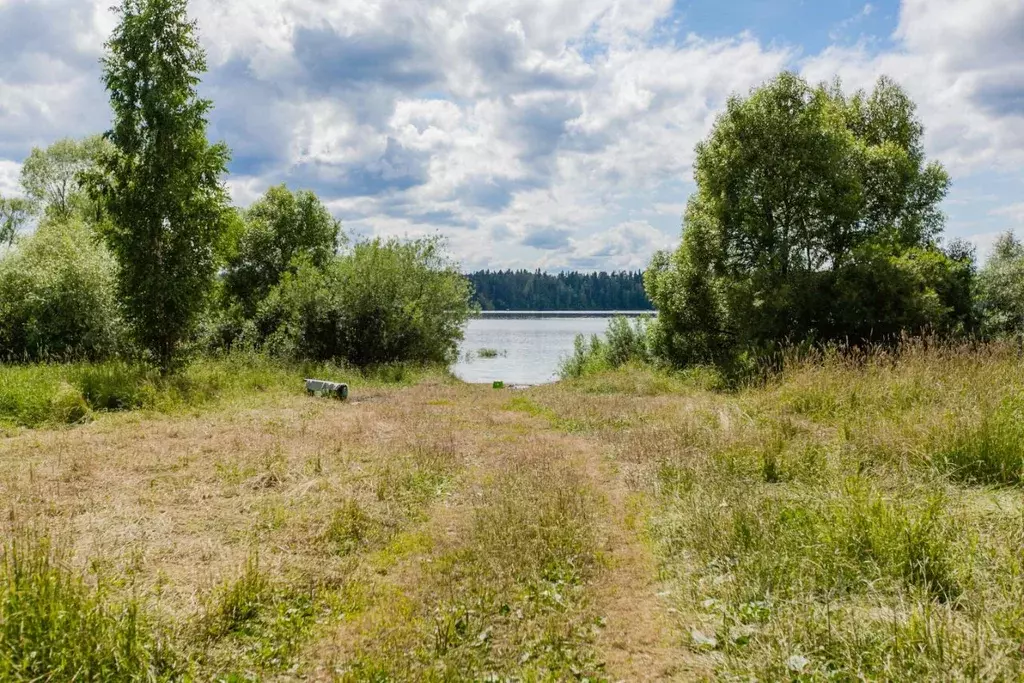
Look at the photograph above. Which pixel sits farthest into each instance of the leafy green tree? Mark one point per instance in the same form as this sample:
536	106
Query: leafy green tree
14	213
52	177
381	302
279	227
57	296
805	195
1001	289
160	184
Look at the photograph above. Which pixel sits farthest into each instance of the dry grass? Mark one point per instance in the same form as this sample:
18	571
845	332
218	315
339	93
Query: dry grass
847	520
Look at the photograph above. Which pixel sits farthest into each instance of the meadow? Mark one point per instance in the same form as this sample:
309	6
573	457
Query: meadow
855	517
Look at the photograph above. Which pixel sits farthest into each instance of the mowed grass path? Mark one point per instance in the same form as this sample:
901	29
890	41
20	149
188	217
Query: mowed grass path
846	521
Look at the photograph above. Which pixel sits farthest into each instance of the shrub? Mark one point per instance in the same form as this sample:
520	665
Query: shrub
57	297
588	357
622	343
382	302
626	342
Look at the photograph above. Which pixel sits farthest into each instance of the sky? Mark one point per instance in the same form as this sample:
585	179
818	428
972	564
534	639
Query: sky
551	134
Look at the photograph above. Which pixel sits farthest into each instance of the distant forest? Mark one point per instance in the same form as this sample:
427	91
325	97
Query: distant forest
523	290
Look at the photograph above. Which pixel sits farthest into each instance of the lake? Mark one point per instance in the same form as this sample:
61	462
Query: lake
530	344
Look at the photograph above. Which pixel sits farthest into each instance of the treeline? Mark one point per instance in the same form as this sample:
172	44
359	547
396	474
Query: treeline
139	254
523	290
816	221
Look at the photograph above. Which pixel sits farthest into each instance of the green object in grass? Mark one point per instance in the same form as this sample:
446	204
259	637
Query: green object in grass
498	385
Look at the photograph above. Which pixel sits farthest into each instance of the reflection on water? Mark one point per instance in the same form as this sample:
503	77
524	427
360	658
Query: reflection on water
530	346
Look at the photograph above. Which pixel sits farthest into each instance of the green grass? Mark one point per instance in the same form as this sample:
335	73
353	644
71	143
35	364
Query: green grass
254	623
849	518
839	521
510	602
55	626
57	394
488	353
985	449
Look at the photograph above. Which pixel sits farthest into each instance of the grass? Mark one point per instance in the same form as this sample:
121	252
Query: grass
851	518
488	353
56	394
55	626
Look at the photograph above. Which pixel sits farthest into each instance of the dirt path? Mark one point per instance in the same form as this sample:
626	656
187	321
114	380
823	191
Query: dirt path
638	641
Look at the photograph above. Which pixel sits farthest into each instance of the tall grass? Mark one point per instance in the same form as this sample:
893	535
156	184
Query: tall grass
986	448
852	515
54	394
55	627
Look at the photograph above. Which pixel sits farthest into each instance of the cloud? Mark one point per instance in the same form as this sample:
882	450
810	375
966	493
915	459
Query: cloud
548	238
963	63
1014	211
9	175
626	246
551	133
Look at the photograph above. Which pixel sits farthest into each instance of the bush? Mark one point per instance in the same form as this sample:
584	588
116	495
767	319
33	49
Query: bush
382	302
623	343
57	297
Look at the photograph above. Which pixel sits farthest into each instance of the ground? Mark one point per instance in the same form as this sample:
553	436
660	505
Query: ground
634	526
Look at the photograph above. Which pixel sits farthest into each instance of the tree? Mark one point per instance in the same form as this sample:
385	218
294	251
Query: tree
14	213
52	177
803	193
1001	289
279	227
160	184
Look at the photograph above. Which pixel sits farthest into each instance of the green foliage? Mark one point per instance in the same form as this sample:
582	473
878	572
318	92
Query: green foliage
626	342
280	227
14	213
55	627
57	297
1001	289
381	302
588	357
160	182
815	218
623	343
53	177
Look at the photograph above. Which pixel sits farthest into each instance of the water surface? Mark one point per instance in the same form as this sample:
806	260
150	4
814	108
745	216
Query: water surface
530	345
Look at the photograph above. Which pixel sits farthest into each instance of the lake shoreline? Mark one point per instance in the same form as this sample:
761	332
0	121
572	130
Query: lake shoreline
529	346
